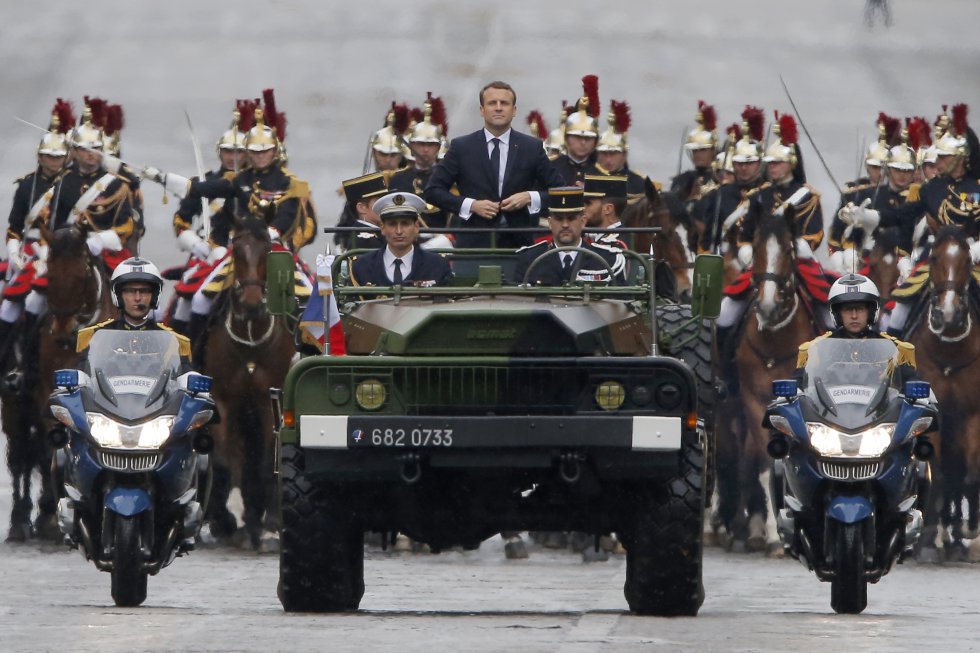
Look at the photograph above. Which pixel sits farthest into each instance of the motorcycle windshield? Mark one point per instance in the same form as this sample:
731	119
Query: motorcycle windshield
851	382
133	372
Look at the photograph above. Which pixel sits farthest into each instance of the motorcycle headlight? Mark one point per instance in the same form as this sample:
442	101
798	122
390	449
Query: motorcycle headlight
111	434
870	443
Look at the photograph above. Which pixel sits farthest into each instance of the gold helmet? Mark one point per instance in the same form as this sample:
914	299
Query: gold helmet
902	157
536	126
584	121
954	141
87	134
62	119
554	144
432	127
784	145
112	128
614	138
723	160
261	137
748	149
388	139
234	138
703	136
888	128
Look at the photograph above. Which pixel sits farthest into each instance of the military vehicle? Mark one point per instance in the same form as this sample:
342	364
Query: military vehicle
460	412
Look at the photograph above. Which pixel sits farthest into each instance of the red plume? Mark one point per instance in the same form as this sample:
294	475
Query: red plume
246	114
273	118
621	114
757	122
590	88
416	115
709	119
959	119
66	116
401	117
439	114
536	120
97	106
113	119
893	128
787	129
920	131
733	131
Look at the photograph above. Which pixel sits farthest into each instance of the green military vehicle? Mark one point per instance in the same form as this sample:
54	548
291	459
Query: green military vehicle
460	412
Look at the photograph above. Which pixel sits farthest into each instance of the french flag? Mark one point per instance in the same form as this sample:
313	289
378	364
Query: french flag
321	310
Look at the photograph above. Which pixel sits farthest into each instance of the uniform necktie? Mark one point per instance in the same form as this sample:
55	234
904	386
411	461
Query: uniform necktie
495	162
566	269
398	272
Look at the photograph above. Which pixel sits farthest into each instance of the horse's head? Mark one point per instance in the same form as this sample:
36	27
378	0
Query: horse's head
75	280
950	270
883	262
250	248
666	211
774	268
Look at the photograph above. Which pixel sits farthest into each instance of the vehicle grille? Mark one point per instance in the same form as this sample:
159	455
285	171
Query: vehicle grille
850	471
129	462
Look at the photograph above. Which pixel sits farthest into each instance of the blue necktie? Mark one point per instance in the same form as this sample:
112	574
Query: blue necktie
495	163
398	272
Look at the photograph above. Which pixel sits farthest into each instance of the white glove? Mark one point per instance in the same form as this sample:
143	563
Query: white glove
153	174
190	242
866	218
803	249
745	255
15	256
438	241
836	262
904	268
217	254
102	240
974	251
111	164
734	216
176	184
41	251
846	214
273	234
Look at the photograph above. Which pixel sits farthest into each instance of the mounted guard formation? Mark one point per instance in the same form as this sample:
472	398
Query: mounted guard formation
519	335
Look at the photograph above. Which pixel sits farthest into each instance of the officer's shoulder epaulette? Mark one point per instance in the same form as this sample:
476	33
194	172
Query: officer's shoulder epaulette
851	188
804	352
85	335
184	343
813	190
755	191
915	192
229	175
906	350
553	157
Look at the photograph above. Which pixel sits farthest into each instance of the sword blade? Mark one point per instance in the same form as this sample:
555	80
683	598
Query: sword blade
199	161
806	131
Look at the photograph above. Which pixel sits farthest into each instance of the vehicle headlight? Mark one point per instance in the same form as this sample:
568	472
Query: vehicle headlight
869	443
111	434
610	395
370	394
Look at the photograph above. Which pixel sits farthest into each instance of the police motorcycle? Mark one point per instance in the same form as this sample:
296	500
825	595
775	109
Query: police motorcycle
850	445
132	456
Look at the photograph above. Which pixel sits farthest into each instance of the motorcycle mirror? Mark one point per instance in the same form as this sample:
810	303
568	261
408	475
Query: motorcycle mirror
917	389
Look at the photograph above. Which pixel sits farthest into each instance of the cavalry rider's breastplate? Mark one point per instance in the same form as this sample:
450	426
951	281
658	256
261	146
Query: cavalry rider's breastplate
262	190
953	202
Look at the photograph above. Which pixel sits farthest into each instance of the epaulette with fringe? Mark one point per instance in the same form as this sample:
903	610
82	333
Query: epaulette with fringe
906	350
914	192
850	190
85	335
804	352
757	189
184	343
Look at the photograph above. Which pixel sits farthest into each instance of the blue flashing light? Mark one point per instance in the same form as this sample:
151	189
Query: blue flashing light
66	378
784	388
917	389
199	383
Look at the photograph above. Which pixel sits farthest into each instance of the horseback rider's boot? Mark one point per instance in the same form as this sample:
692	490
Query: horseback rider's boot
31	343
197	331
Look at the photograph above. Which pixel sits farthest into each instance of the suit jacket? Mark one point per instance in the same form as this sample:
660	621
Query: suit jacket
467	166
428	269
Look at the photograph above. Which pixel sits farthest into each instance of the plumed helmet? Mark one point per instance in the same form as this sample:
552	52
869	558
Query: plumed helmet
554	144
261	137
888	130
620	120
112	124
388	139
234	137
87	134
953	141
902	157
748	149
723	160
854	288
703	136
584	121
783	147
54	143
432	127
136	269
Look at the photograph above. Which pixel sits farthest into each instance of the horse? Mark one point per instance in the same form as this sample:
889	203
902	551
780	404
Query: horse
666	210
777	321
78	296
882	263
947	345
248	351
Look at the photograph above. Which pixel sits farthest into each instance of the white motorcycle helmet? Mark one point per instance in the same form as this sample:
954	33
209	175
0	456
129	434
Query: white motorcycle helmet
850	289
136	269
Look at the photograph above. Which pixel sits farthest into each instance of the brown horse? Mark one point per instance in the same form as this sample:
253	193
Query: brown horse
775	325
947	343
665	210
248	351
78	295
883	260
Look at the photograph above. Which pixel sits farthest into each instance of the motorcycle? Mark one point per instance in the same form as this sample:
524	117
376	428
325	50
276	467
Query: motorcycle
850	446
132	456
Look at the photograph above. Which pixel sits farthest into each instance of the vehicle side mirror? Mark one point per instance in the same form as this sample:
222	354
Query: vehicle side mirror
784	388
917	390
708	280
279	283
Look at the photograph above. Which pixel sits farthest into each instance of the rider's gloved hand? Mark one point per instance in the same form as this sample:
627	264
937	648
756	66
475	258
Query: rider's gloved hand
273	234
190	242
217	254
103	240
866	218
745	255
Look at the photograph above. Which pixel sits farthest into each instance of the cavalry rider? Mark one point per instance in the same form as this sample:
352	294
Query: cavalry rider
136	286
728	202
566	220
400	262
870	187
581	137
554	142
701	146
205	254
387	145
613	150
425	139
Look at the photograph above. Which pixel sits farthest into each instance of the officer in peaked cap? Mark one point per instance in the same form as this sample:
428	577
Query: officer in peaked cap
400	262
362	194
605	198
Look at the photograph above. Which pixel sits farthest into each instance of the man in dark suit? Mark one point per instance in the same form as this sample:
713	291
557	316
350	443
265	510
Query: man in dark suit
501	174
567	222
400	262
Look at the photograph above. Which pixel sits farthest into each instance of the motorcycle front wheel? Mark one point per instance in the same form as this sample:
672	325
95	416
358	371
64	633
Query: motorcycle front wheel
128	577
849	589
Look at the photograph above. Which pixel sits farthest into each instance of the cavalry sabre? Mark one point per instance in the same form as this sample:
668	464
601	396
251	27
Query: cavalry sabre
806	131
199	160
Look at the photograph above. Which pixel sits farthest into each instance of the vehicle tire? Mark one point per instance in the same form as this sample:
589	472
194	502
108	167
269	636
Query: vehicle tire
321	556
663	553
691	342
128	577
849	589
